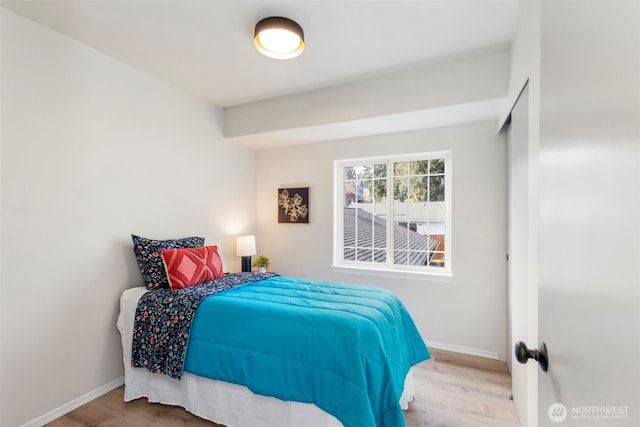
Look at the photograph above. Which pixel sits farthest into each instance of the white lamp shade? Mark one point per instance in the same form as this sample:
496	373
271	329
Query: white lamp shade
246	245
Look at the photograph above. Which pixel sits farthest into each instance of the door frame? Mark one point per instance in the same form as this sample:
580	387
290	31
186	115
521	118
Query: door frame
524	377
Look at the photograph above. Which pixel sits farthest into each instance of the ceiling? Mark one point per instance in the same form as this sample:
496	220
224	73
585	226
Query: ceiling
206	47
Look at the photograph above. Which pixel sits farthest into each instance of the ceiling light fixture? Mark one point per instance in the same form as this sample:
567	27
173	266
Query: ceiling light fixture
279	38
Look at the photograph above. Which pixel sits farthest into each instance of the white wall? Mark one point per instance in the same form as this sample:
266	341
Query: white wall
469	311
92	151
473	79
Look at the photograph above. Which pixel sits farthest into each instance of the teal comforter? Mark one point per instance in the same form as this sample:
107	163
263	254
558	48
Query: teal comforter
345	348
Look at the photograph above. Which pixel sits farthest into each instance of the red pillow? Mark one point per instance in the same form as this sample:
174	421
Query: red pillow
191	266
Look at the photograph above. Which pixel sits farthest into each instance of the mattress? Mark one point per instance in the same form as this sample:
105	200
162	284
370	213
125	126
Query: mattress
225	403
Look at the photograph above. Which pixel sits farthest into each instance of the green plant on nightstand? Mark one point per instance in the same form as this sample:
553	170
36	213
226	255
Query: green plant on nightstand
262	262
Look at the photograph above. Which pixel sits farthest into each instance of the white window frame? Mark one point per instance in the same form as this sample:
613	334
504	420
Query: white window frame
389	269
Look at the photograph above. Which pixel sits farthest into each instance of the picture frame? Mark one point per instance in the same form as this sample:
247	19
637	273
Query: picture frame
293	205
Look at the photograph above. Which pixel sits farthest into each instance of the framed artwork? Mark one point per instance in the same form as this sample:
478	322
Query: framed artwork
293	205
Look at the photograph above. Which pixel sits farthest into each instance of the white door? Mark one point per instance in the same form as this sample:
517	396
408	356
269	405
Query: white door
522	288
583	245
589	214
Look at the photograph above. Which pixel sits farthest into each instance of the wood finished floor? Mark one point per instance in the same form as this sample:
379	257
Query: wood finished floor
452	390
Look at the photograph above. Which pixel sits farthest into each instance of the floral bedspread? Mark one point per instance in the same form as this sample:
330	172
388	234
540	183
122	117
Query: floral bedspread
163	322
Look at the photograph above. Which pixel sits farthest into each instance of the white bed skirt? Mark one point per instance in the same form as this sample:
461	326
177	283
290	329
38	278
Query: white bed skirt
221	402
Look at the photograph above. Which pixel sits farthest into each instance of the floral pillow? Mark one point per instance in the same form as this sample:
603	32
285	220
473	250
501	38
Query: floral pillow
191	266
149	256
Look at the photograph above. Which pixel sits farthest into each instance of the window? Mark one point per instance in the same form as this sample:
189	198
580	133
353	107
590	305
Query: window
394	213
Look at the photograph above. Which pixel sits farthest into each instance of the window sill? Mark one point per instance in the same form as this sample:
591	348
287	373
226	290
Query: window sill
396	274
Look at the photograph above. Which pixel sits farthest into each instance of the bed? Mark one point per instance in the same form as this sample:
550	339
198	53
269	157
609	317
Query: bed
267	350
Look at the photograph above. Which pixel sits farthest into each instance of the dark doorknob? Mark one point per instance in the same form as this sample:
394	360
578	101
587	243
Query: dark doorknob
523	354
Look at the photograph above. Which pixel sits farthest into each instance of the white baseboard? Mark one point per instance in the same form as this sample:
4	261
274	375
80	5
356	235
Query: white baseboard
464	350
74	404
